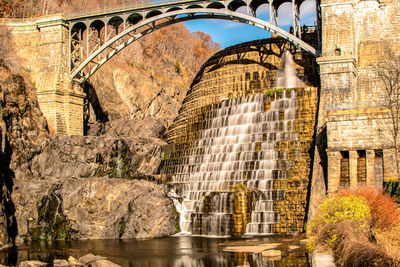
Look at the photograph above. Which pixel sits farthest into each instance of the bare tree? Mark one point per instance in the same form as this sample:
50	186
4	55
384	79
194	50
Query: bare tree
389	74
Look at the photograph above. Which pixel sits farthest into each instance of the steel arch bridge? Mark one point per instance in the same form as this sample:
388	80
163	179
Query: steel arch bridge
95	38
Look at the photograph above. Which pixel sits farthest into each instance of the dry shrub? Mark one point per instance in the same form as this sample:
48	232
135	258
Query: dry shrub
385	212
380	246
389	241
353	248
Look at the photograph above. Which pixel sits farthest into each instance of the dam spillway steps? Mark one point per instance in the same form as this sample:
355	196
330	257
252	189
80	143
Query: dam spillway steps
239	145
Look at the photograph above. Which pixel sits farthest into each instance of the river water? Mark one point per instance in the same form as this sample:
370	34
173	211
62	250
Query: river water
183	251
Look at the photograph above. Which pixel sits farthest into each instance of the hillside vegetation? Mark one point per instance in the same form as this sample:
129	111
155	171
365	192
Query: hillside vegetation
146	82
34	8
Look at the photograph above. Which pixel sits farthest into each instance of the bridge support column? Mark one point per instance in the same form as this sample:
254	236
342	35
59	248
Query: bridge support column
43	44
63	111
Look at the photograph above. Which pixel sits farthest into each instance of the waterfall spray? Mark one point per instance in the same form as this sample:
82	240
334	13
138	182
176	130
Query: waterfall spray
287	77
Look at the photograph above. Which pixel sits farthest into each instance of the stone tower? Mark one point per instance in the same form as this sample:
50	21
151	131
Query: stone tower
353	124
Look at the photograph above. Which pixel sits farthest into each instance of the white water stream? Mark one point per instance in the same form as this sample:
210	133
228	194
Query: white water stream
239	145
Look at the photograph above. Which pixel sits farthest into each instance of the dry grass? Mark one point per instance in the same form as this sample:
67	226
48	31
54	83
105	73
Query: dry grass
389	241
353	248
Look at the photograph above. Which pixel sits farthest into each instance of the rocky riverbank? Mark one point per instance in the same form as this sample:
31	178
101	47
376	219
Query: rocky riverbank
96	208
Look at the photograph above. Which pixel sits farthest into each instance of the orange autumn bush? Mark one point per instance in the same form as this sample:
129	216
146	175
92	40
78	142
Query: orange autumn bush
385	212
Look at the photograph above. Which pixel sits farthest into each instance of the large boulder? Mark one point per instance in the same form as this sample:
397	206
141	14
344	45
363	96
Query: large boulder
92	156
96	208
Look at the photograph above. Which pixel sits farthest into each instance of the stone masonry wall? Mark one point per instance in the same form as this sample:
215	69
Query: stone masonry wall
294	161
293	209
359	132
43	46
356	36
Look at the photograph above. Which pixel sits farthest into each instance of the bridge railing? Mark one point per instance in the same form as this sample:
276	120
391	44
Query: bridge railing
123	7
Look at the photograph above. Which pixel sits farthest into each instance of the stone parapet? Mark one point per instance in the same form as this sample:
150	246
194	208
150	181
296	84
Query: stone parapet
337	64
43	44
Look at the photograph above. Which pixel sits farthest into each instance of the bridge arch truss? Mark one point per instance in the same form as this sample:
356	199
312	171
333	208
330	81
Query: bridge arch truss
96	38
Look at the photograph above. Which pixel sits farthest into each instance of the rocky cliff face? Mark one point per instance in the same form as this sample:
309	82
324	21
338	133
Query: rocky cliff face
96	208
21	126
93	156
49	184
61	196
147	82
123	93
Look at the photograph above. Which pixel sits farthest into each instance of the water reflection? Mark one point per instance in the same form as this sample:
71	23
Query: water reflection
183	251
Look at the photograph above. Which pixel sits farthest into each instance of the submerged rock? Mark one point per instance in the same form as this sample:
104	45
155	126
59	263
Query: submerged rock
74	262
272	253
88	260
104	263
61	263
97	208
32	264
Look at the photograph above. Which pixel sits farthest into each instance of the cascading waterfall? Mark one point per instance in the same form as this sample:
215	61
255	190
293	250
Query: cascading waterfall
239	145
181	209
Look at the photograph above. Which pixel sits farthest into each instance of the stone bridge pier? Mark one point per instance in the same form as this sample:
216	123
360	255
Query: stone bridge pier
43	45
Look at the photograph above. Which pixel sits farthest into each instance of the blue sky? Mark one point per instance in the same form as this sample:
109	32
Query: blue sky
228	33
